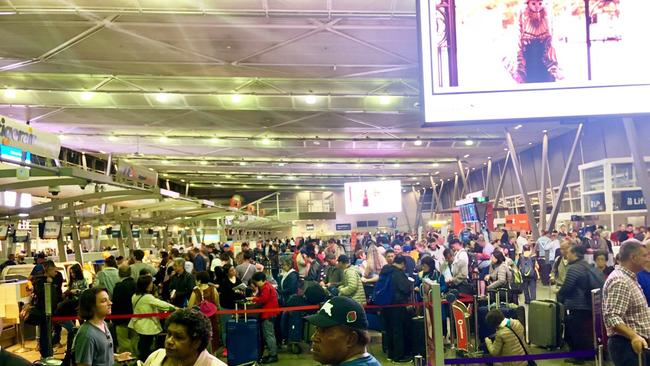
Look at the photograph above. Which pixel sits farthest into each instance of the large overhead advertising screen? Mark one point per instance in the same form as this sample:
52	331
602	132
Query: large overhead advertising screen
516	59
373	197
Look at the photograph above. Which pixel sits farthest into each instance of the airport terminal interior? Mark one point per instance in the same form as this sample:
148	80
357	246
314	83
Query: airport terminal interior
439	163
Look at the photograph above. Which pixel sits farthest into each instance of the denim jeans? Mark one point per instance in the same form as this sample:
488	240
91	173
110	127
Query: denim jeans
621	352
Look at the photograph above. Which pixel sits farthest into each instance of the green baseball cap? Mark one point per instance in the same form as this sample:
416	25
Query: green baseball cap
340	310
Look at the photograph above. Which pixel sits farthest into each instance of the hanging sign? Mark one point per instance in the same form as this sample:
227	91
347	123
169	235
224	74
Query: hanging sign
24	137
632	200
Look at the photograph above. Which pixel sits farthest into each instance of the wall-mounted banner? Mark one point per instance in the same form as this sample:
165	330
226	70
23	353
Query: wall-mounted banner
632	200
343	227
24	137
136	174
595	202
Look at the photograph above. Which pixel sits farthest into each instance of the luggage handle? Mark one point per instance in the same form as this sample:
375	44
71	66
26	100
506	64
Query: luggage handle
237	311
642	356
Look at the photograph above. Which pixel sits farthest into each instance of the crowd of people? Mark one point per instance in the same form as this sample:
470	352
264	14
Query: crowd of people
385	269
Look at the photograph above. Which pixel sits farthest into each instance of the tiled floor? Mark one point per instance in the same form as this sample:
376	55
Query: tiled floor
304	359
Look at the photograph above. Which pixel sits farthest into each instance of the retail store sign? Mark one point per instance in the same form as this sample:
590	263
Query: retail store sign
136	174
309	227
343	227
632	200
24	137
596	202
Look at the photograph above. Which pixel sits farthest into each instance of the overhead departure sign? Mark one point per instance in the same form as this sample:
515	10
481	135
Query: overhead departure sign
24	137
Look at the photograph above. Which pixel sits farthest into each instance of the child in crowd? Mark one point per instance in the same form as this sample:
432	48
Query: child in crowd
267	298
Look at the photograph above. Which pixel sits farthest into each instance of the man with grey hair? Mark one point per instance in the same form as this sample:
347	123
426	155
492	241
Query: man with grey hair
625	310
181	284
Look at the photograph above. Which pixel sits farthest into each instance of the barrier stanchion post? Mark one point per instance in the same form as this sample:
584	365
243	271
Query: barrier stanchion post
597	327
475	311
48	319
433	324
21	333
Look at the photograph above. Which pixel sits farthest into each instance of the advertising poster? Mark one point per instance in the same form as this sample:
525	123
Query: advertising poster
373	197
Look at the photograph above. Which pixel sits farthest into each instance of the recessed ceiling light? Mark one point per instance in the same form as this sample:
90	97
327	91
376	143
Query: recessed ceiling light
310	99
317	143
384	99
164	139
544	131
291	177
87	96
473	168
235	98
297	187
162	97
417	183
217	185
112	138
489	158
104	152
266	141
322	187
227	176
357	165
10	93
396	165
518	127
319	165
245	185
466	156
62	136
484	163
436	172
242	163
383	178
414	178
183	180
165	162
272	187
417	142
469	142
282	164
435	165
23	214
530	143
260	177
203	162
505	149
214	140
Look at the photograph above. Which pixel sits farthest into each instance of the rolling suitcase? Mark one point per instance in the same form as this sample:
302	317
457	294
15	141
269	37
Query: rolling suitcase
511	311
547	326
242	340
418	342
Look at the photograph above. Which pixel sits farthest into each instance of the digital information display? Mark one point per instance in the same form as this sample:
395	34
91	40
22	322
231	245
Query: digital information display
373	197
530	59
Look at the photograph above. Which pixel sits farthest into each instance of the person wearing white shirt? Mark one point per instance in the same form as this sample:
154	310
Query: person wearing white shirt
521	241
459	268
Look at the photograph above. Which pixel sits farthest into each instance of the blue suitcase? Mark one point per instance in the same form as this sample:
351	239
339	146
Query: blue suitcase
242	340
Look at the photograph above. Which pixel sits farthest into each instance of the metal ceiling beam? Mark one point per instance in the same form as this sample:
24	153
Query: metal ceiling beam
522	186
84	197
542	202
34	183
497	194
640	166
63	46
557	203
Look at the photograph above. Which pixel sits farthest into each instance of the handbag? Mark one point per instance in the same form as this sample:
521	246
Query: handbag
530	362
206	307
31	314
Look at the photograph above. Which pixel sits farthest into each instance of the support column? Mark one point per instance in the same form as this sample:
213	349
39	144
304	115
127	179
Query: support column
522	186
488	180
501	180
433	196
640	168
464	178
557	202
454	198
542	198
406	215
277	206
60	243
76	241
5	247
129	235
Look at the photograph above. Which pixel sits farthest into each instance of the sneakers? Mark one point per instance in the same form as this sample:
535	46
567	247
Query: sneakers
269	359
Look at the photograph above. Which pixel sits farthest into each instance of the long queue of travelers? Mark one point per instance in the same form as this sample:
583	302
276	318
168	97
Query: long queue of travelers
385	268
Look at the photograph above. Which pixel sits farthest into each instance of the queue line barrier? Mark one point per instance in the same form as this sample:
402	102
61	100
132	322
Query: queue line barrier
164	315
531	357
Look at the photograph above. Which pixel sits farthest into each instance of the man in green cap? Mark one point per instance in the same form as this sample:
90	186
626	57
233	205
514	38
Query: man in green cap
341	337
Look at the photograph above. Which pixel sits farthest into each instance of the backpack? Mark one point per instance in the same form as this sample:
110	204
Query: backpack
515	281
527	267
383	293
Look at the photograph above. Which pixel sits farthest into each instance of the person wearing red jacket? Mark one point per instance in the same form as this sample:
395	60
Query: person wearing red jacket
267	298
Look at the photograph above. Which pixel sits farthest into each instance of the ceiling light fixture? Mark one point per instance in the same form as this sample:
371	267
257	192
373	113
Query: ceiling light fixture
271	187
162	97
245	186
165	161
317	143
417	142
282	164
23	214
214	140
469	142
217	185
235	98
297	187
242	163
435	165
384	99
164	139
436	172
87	96
396	165
112	138
310	99
322	187
183	180
383	178
530	143
260	177
266	141
203	162
518	127
466	156
544	131
319	165
10	93
227	176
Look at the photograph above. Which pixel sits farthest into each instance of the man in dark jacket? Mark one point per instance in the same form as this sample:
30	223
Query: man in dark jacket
122	294
397	319
48	275
181	284
575	294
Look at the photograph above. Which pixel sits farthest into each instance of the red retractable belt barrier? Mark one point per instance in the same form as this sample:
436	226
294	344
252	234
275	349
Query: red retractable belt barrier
248	311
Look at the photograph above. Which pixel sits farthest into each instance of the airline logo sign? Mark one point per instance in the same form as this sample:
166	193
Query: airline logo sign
20	135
